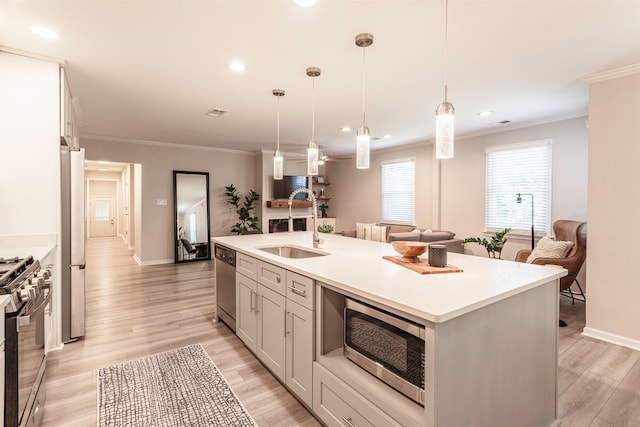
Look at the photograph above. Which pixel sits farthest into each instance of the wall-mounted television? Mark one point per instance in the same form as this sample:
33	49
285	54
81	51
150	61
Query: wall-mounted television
282	188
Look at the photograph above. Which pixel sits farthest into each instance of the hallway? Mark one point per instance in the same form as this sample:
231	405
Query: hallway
135	311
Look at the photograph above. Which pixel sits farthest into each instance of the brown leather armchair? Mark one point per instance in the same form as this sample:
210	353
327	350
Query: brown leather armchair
575	232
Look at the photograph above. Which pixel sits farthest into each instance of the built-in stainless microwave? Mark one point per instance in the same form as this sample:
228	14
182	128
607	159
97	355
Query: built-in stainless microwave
387	346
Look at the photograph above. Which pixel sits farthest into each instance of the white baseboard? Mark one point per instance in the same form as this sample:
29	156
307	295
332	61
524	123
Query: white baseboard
611	338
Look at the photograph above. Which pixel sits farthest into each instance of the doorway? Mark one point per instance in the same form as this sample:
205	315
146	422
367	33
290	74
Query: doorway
102	217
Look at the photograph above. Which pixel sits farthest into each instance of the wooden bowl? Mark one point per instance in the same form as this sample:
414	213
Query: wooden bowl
410	251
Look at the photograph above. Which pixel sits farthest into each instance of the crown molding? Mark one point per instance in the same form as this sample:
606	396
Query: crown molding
162	144
19	52
612	74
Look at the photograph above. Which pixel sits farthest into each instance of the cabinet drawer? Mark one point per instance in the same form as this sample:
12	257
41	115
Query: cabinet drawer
300	289
246	265
273	277
339	405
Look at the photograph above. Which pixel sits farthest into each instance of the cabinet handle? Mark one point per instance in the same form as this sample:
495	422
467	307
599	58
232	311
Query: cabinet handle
285	324
297	291
348	421
257	299
278	279
252	307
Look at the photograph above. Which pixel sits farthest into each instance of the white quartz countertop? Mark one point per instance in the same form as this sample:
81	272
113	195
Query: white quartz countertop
356	266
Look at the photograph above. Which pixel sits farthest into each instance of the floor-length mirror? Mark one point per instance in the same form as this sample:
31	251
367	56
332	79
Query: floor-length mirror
191	207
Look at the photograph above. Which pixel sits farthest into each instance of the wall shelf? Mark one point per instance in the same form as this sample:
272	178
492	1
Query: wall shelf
285	204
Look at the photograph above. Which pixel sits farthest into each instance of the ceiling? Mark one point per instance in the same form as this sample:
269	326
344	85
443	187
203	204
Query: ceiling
149	70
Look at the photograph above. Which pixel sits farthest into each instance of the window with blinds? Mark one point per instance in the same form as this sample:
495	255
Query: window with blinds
519	169
398	191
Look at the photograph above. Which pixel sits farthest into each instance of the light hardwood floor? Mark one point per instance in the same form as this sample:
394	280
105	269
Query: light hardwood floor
136	311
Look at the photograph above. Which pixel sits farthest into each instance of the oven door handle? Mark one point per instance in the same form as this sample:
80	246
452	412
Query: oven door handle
26	320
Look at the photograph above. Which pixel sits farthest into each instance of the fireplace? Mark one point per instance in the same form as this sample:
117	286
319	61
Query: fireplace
280	225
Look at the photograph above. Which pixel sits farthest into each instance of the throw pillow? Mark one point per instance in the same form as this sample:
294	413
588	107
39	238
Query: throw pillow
360	229
375	232
549	248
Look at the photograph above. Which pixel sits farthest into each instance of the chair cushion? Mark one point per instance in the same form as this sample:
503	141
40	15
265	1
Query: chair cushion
360	229
375	232
435	235
549	248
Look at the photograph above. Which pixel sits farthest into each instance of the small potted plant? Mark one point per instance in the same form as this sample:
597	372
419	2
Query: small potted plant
323	209
325	228
493	246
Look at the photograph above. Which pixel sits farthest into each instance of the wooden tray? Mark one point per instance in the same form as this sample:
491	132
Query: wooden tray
422	266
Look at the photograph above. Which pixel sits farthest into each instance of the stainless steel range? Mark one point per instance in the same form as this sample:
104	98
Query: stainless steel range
25	358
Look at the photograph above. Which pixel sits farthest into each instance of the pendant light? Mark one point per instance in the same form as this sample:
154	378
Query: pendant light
278	161
363	139
445	111
312	150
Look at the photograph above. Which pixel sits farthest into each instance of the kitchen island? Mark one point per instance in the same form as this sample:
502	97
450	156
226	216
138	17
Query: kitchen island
490	343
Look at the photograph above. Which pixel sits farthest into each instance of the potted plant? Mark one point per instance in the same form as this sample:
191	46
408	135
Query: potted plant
325	228
247	221
493	246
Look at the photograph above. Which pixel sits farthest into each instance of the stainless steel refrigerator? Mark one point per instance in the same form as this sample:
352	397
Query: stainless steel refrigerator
73	281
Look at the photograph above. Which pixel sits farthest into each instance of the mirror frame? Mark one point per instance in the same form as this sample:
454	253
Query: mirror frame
176	246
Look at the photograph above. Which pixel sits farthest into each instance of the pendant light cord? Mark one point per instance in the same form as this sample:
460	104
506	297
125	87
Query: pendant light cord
313	110
278	131
446	32
363	69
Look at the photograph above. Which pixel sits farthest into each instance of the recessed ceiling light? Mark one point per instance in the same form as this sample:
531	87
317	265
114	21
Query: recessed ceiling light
103	162
45	32
485	113
387	136
305	3
345	129
103	169
237	66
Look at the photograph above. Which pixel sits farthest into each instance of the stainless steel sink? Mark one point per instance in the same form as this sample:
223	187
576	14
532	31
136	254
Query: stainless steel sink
291	251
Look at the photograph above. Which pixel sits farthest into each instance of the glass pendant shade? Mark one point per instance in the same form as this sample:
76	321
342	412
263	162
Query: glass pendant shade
278	165
363	141
444	130
278	161
312	159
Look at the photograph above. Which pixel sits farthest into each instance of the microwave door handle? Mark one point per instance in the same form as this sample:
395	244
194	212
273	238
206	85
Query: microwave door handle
26	320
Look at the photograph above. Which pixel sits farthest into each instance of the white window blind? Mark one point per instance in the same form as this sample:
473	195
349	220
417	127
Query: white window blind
523	169
398	191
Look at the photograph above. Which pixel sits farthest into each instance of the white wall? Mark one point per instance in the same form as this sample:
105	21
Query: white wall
356	193
157	164
613	304
30	145
463	180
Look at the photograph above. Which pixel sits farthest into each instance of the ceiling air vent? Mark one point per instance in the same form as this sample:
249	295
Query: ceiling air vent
215	112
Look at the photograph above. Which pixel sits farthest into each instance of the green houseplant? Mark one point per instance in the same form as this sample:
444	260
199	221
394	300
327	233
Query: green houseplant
493	246
325	228
247	221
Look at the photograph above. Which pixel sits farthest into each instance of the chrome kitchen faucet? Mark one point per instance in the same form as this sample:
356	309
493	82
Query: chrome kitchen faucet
316	240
